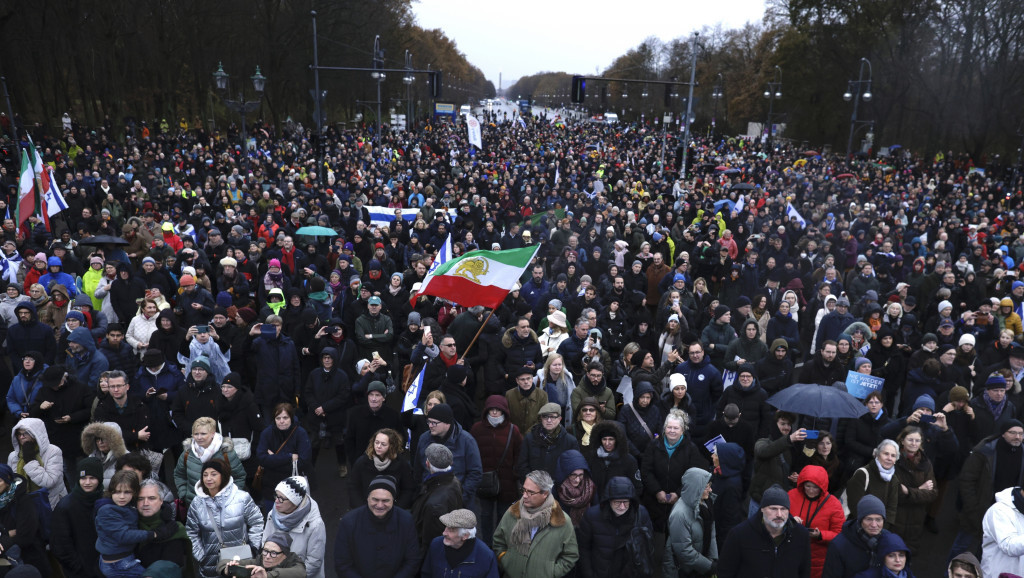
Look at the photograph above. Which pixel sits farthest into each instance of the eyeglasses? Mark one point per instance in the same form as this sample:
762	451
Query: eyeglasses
433	423
280	499
532	493
587	410
447	345
576	476
550	416
270	553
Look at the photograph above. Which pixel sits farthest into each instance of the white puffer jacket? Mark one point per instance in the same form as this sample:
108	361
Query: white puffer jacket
309	539
1002	543
50	473
236	516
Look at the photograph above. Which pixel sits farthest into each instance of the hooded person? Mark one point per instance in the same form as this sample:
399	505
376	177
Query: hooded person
691	548
967	565
894	559
103	441
642	418
19	520
604	531
727	483
57	276
819	511
83	361
574	488
30	334
499	442
35	459
26	384
328	394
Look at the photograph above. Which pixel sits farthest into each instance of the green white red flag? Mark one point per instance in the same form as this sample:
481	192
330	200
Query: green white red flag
478	277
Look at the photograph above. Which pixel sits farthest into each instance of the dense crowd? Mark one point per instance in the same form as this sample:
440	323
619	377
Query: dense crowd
180	355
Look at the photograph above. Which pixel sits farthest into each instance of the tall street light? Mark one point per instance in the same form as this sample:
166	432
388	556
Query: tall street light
408	79
716	95
853	91
240	105
378	63
689	104
773	93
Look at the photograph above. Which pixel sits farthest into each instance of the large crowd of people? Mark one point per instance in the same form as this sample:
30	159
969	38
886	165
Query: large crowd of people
181	353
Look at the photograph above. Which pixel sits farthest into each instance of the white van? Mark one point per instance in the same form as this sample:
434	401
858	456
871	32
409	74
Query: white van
611	118
465	109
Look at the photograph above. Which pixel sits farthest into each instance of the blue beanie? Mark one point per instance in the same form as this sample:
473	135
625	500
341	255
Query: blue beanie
6	474
870	505
76	315
224	299
1016	284
924	401
995	381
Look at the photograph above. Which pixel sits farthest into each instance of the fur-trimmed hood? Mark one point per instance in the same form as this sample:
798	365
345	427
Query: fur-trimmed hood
557	515
509	335
109	432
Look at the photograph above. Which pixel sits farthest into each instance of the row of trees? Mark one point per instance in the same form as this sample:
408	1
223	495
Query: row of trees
154	59
947	74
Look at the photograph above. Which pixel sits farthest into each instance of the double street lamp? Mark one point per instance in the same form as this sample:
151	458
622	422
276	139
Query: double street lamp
240	105
854	92
773	93
716	95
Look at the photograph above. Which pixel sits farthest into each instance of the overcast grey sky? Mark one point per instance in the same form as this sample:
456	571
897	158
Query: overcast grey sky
523	37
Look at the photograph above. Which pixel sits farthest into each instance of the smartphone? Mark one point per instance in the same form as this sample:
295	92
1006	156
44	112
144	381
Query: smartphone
268	330
202	328
426	331
812	434
927	419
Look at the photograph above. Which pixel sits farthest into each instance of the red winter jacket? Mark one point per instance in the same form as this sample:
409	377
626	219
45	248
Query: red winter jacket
824	513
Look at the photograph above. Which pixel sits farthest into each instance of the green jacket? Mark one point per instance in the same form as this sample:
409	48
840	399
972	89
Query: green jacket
190	470
523	411
553	552
379	341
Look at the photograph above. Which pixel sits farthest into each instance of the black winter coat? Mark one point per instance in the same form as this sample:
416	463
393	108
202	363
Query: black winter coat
662	473
131	419
363	424
239	417
73	537
750	551
440	493
602	540
331	391
538	454
20	515
862	435
363	471
74	399
491	441
194	401
619	463
753	409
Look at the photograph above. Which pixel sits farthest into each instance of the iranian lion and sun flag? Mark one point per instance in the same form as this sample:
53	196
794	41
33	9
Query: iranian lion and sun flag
475	278
37	189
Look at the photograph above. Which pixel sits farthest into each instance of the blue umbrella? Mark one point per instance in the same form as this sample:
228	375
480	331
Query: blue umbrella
316	231
731	172
718	205
817	401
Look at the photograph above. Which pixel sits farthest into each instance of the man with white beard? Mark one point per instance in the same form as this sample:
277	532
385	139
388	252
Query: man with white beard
768	544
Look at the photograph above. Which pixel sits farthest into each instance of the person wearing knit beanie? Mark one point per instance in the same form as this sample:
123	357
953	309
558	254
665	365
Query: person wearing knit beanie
959	394
870	505
721	311
294	489
443	413
775	496
90	467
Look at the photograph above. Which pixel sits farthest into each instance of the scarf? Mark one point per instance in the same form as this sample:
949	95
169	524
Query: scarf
603	454
890	574
8	496
886	474
995	408
204	454
20	470
914	458
496	421
89	498
529	522
577	499
276	307
286	522
380	464
671	448
881	412
151	523
448	361
585	438
870	541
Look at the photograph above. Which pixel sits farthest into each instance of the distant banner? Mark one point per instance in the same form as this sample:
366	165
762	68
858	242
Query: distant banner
473	128
860	385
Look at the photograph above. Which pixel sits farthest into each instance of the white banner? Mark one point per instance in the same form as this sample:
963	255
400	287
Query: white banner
473	128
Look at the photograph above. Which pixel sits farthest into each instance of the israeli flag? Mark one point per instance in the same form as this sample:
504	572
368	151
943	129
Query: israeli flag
412	395
55	202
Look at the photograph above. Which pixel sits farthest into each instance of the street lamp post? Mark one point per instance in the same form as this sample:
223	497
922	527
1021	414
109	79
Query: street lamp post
773	93
408	79
689	104
240	105
716	95
378	63
854	93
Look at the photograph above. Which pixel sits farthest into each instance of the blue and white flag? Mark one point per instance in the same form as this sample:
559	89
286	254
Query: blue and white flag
9	266
412	395
522	122
473	133
382	216
55	202
795	215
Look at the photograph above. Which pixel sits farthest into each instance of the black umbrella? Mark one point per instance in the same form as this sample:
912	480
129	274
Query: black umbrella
817	401
103	240
742	187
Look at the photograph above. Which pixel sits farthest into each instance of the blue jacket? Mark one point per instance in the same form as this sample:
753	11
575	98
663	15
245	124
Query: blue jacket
24	390
169	378
117	528
58	278
848	554
466	464
703	387
532	292
88	365
481	563
832	324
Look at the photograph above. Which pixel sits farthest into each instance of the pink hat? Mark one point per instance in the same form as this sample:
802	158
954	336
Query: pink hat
40	257
275	263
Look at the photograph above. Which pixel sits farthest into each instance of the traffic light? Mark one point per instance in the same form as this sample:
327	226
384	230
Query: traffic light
435	84
579	89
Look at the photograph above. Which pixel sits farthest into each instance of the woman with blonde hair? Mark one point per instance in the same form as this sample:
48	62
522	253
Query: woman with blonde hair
557	381
205	444
556	332
384	456
142	326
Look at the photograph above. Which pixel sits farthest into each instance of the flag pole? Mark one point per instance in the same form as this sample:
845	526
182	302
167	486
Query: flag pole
478	332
